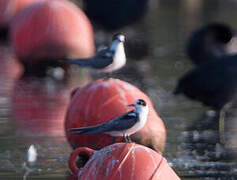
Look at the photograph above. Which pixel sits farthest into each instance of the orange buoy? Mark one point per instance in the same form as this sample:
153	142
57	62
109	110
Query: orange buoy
128	161
103	100
51	30
20	4
39	107
8	9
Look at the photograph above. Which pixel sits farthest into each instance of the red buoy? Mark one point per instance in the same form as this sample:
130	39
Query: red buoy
51	30
103	100
128	161
24	3
8	8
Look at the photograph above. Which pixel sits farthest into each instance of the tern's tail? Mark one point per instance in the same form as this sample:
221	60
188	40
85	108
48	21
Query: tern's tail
88	130
80	62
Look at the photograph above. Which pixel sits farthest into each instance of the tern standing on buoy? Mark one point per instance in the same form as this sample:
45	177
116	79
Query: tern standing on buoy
124	125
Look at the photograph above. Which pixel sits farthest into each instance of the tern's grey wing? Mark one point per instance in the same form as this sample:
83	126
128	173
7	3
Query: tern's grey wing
99	63
102	59
81	62
91	130
123	122
105	53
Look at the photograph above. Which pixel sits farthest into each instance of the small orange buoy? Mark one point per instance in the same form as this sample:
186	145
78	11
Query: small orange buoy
103	100
121	161
50	30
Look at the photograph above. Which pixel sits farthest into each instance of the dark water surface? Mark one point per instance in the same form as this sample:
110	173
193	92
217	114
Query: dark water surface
193	145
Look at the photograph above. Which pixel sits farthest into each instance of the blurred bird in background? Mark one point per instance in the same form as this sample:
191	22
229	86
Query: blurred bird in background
214	81
209	42
106	60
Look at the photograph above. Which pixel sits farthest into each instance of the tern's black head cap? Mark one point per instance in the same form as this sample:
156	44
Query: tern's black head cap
141	102
222	32
119	37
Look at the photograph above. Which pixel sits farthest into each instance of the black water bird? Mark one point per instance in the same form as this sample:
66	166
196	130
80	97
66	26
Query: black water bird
209	42
213	83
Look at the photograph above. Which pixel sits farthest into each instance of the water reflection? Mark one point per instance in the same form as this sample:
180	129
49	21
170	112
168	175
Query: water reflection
203	154
52	157
10	68
39	106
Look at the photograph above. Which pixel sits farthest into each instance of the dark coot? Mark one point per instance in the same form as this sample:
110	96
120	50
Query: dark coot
209	42
213	83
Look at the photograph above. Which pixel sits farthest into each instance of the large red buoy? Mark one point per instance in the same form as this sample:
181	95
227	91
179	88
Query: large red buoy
103	100
51	30
121	161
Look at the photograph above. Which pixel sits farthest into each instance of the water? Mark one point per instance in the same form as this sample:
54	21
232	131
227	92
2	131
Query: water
193	146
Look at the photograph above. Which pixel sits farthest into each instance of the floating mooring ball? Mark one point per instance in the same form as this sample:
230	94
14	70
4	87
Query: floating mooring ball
51	30
128	161
106	99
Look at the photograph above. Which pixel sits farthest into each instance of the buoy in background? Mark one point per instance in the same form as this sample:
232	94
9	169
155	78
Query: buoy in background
8	9
103	100
128	161
48	31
